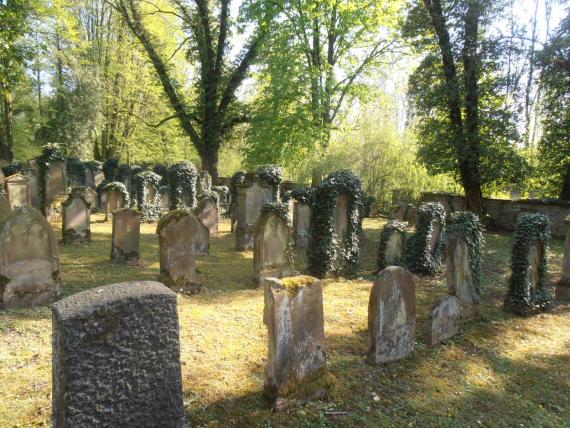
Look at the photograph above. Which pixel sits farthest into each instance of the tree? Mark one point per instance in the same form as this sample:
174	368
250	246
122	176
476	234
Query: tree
554	146
210	113
464	124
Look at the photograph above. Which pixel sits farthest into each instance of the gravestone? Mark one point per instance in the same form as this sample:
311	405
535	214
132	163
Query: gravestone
444	320
272	247
125	241
397	212
76	225
33	188
5	209
116	358
29	265
341	215
165	199
93	178
391	248
207	213
56	180
391	316
251	197
90	196
114	200
301	223
295	372
18	191
563	286
182	237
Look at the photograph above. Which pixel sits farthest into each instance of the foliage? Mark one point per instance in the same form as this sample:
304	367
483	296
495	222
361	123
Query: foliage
237	179
161	170
282	211
389	229
12	168
107	186
223	193
150	208
369	202
272	175
467	226
418	255
93	165
75	170
50	153
303	194
110	169
524	298
182	179
328	253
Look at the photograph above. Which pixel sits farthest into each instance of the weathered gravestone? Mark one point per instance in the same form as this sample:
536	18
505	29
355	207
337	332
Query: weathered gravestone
29	265
444	320
18	190
5	209
148	197
341	215
56	180
90	196
33	188
116	358
115	197
125	245
563	286
182	237
301	216
527	292
93	177
207	213
391	248
463	260
273	245
251	197
295	372
76	225
391	316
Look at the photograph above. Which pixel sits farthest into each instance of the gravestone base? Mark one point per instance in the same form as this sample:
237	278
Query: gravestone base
71	237
562	290
183	284
29	283
294	395
444	320
118	256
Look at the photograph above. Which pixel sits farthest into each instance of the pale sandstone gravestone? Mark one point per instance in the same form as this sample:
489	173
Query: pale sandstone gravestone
90	196
114	200
56	180
459	274
207	213
444	320
341	216
116	358
76	225
296	371
301	223
18	191
251	197
29	264
125	241
271	248
392	242
93	178
391	316
182	238
563	286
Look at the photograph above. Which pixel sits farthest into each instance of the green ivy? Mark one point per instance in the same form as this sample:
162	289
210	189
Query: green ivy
303	194
150	211
237	179
93	166
50	153
12	168
161	170
118	186
418	257
467	226
271	175
522	298
368	202
328	253
110	168
282	211
390	228
182	179
75	170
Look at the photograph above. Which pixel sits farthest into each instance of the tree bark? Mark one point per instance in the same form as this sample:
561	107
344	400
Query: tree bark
6	128
565	191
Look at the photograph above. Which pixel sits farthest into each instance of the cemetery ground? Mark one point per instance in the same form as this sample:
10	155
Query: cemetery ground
502	370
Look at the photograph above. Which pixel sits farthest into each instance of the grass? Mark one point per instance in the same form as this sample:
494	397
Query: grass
500	371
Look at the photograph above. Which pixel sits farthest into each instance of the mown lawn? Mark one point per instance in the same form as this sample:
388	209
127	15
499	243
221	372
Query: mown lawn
500	371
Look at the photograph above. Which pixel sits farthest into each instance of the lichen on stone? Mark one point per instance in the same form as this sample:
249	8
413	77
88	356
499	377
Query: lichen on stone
294	283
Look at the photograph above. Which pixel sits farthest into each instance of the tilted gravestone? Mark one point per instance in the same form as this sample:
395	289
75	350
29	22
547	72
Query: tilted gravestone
182	238
116	358
251	197
76	225
391	248
563	286
296	371
207	213
125	241
29	265
17	187
301	223
273	246
444	320
391	316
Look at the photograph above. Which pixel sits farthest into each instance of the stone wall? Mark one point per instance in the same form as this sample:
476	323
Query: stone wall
504	212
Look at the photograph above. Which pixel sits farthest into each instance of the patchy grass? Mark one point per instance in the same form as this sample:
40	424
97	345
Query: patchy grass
500	371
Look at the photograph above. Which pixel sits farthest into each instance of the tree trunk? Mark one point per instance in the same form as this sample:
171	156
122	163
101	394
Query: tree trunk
565	192
6	129
210	163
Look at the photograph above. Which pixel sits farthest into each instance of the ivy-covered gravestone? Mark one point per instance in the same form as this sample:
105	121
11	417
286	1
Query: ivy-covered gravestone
392	243
93	173
563	286
52	175
463	259
527	292
424	250
301	216
336	223
182	179
113	196
271	176
149	200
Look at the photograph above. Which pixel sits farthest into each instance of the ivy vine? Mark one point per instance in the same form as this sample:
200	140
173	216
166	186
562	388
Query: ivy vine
161	170
117	186
93	166
328	253
282	211
303	194
12	168
150	210
182	179
50	153
75	170
418	255
271	175
110	169
522	297
390	228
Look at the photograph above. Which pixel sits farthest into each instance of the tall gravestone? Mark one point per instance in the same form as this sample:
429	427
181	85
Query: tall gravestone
125	241
56	180
76	225
116	358
29	264
18	191
392	242
251	197
391	316
296	371
563	286
273	246
148	197
301	223
207	213
182	238
33	188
